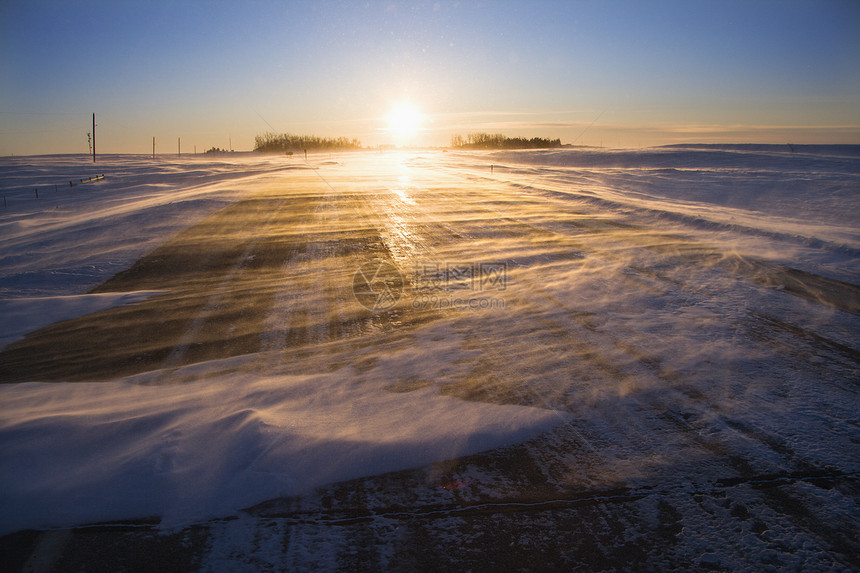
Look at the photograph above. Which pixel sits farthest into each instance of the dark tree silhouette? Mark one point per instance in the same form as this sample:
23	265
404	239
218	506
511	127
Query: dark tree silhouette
499	141
272	142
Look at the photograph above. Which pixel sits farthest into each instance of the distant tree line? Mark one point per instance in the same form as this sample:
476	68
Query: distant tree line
499	141
289	142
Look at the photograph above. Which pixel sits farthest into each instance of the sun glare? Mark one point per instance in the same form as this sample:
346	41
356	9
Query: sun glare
404	121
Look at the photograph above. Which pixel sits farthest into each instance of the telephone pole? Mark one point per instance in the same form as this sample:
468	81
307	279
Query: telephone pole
94	138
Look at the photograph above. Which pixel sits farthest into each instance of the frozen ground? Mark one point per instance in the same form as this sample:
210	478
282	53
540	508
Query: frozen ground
590	358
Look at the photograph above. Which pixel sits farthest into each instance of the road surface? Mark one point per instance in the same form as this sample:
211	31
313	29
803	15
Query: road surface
707	398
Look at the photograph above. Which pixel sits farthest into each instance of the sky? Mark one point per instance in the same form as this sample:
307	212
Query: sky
611	73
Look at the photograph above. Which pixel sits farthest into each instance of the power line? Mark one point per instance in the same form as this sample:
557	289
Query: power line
589	126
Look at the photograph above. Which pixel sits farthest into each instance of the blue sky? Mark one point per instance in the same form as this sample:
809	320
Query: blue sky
219	73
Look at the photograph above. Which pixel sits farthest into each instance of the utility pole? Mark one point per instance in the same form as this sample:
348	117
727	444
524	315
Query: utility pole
179	146
153	147
94	138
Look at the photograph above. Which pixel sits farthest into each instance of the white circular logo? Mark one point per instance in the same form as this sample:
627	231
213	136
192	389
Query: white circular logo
377	285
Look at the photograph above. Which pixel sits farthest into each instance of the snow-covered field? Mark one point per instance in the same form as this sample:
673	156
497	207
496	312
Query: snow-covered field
191	337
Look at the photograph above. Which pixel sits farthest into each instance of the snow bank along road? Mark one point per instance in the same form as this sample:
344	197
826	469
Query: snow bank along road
593	358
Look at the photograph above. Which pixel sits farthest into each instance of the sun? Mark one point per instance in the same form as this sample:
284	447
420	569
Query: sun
404	122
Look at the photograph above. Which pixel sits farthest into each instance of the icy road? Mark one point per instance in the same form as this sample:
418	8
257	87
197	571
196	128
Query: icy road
539	360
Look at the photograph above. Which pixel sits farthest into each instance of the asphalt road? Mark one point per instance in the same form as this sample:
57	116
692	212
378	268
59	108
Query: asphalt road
706	425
